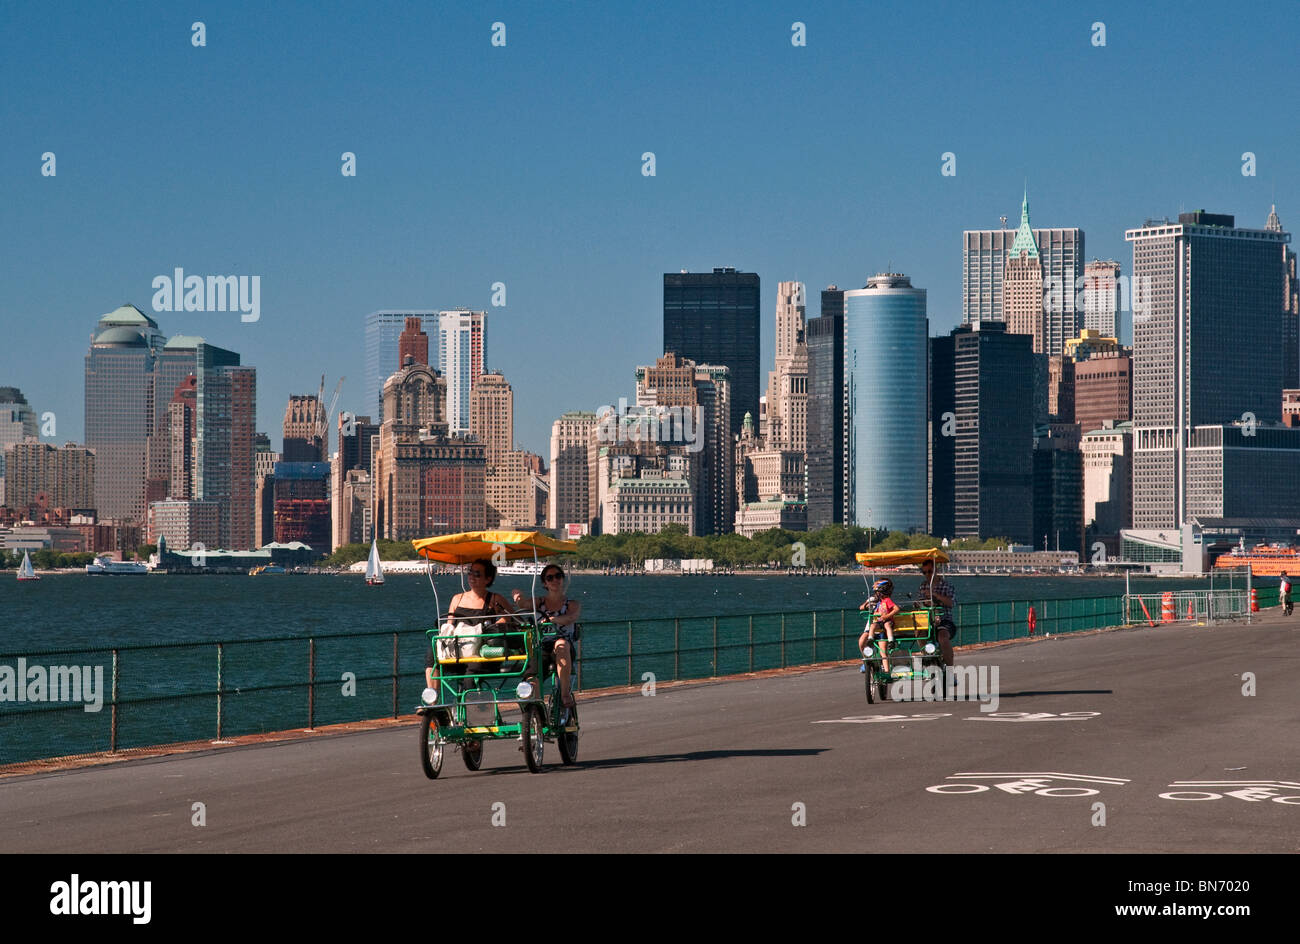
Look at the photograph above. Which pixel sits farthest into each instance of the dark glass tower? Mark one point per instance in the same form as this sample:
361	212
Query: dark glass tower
825	467
983	433
943	400
712	318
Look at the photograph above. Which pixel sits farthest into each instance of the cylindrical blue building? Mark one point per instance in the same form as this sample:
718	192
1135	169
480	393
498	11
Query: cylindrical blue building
885	369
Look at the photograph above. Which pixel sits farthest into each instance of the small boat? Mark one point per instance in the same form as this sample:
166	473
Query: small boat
104	564
25	570
266	569
374	572
521	569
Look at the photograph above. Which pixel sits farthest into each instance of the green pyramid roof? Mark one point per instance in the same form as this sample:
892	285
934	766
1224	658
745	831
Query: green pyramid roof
1025	241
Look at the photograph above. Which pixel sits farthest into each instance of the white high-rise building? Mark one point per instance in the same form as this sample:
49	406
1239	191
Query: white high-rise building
462	353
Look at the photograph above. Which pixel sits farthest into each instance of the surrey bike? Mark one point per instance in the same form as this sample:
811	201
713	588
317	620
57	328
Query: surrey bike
915	648
488	670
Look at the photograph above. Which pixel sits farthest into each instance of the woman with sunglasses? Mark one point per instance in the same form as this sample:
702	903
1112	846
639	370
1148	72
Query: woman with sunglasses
476	605
563	613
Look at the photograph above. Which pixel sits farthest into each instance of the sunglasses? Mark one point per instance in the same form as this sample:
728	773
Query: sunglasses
477	573
550	577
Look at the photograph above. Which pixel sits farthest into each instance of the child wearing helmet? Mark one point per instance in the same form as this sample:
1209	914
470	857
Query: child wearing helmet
882	604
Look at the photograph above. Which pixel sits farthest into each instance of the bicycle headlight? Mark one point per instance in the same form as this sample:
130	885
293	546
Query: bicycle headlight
524	690
929	649
429	696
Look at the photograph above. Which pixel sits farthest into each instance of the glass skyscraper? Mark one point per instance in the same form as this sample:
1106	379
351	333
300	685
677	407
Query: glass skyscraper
886	356
825	466
383	328
712	319
120	409
983	433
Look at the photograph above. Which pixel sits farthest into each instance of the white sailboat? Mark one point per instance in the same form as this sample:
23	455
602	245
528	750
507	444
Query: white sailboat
374	572
25	570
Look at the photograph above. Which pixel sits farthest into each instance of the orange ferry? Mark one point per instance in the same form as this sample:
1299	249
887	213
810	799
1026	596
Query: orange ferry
1266	560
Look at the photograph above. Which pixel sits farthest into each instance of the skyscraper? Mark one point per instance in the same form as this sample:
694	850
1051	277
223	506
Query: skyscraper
1291	308
1206	348
304	421
1103	389
712	318
573	441
508	481
1057	492
1022	285
462	354
1101	297
225	419
787	384
383	330
426	482
17	423
983	433
885	352
492	415
120	409
17	418
55	477
413	342
1060	255
351	489
825	464
701	392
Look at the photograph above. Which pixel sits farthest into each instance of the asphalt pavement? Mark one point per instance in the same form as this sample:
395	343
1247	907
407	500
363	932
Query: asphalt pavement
1154	739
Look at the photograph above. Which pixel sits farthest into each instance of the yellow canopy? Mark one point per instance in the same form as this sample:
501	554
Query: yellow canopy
471	545
899	558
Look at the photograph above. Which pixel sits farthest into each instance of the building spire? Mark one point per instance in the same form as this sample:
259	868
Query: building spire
1025	241
1274	224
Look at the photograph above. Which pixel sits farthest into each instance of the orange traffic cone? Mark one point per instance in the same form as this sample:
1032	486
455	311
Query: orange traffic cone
1167	607
1254	600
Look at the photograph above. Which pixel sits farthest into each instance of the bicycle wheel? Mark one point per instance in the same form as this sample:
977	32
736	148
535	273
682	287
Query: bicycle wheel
471	752
567	740
430	745
531	731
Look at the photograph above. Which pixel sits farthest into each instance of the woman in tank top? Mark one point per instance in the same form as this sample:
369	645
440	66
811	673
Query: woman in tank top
564	613
477	604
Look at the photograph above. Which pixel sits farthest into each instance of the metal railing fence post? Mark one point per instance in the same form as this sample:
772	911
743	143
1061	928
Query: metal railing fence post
220	685
311	683
112	733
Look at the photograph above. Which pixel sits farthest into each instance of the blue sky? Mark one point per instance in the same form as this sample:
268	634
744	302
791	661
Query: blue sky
522	164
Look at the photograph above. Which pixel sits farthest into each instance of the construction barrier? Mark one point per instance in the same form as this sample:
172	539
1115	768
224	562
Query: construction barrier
1254	600
1167	607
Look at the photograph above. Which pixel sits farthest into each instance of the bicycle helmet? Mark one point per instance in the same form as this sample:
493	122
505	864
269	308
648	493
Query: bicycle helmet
882	588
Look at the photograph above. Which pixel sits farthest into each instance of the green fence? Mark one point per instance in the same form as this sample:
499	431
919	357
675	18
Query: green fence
164	694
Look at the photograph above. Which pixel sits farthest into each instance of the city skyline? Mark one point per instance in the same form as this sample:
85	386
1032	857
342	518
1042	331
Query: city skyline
579	237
